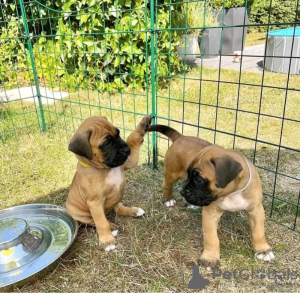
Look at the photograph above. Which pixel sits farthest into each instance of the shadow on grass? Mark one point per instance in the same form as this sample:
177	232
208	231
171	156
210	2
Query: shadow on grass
57	197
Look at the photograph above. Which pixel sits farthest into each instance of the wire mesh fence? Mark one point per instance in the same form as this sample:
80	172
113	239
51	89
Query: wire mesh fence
81	55
174	59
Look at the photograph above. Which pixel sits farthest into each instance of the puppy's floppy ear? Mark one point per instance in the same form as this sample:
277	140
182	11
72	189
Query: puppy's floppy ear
80	144
226	170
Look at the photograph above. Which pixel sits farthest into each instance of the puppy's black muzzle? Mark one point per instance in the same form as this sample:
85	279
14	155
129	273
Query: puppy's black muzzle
196	190
121	156
124	151
115	152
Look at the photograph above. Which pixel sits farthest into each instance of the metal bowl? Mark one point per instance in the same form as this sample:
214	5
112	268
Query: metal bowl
32	237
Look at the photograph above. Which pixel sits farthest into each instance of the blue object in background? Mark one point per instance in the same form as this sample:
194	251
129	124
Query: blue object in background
283	51
286	32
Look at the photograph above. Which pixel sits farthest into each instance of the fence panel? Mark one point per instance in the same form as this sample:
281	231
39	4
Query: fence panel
85	56
16	71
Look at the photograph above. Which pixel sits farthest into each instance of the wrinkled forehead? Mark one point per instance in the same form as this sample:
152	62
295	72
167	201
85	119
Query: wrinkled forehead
98	127
203	162
97	124
200	159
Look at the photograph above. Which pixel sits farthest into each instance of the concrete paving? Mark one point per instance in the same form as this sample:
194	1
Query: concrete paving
28	94
252	60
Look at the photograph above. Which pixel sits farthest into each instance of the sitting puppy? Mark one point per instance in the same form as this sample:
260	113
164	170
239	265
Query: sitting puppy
99	183
219	180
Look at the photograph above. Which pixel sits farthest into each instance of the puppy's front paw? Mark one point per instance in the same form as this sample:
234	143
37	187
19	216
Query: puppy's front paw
192	207
115	233
144	125
170	203
209	262
110	247
113	226
108	242
139	212
266	256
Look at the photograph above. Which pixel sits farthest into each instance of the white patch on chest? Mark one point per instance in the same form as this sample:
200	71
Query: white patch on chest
233	202
115	177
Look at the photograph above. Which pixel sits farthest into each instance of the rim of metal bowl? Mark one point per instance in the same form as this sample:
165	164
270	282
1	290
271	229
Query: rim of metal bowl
42	210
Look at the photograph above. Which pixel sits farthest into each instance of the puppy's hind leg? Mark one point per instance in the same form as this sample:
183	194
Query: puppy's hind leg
128	211
169	180
113	227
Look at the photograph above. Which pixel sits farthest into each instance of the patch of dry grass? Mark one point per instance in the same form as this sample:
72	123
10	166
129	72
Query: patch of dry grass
255	38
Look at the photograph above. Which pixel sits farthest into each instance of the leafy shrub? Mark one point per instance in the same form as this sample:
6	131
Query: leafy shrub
12	54
280	12
199	14
218	4
100	46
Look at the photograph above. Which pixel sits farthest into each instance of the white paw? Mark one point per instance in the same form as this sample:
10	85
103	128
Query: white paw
170	203
114	233
139	212
268	256
110	247
192	207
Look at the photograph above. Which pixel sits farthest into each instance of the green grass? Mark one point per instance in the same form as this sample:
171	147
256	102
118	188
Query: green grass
37	168
255	38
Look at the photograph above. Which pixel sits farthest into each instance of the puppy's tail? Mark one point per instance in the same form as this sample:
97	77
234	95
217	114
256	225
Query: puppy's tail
166	130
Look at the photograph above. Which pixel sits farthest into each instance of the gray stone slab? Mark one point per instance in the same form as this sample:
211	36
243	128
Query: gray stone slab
28	94
252	62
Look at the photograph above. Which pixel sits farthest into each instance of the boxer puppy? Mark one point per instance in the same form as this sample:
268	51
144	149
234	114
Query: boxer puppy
219	180
99	182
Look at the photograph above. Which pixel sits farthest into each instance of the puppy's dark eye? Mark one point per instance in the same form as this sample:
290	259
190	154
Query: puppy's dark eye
199	179
195	173
109	138
107	142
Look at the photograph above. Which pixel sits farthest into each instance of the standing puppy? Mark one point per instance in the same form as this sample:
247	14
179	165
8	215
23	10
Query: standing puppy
219	180
99	183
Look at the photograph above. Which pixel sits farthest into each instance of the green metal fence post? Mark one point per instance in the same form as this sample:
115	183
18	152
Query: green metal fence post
35	78
153	82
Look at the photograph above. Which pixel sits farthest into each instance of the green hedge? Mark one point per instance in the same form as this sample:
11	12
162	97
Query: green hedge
103	48
218	4
281	11
12	57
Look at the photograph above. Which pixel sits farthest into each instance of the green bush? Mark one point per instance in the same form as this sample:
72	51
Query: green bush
218	4
103	47
12	54
199	14
281	11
